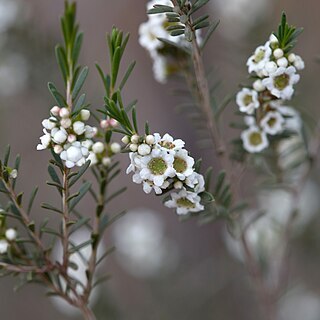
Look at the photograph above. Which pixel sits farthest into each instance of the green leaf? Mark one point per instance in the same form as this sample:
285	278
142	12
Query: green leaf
80	246
56	95
6	155
48	206
80	173
82	192
79	104
127	75
80	81
211	30
62	62
115	66
32	198
79	224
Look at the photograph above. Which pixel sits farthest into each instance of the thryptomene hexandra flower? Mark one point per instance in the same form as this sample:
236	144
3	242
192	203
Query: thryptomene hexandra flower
273	123
254	140
257	61
247	100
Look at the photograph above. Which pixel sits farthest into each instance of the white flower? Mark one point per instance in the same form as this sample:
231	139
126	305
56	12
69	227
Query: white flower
183	164
144	149
185	202
93	158
98	147
293	119
59	136
115	147
272	123
299	63
254	140
135	162
167	142
79	128
148	186
261	56
160	68
11	234
196	181
280	83
157	167
85	114
45	141
270	68
247	100
90	132
3	246
75	154
87	143
48	123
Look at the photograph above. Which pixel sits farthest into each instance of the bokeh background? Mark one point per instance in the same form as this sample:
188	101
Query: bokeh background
163	269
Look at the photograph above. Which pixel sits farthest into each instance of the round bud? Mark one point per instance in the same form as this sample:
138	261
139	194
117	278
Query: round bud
292	57
150	139
135	138
104	124
282	62
144	149
115	147
65	123
258	86
125	140
85	114
106	161
178	185
55	111
72	138
273	39
278	53
57	149
79	127
271	67
64	113
98	147
14	174
133	147
11	234
113	122
60	136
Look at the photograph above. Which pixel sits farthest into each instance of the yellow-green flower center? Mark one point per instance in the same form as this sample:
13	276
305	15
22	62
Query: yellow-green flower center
272	122
185	203
157	166
259	56
167	144
282	81
247	99
255	138
180	165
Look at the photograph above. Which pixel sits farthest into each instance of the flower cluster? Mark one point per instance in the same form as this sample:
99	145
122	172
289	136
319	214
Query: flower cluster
275	74
162	164
101	152
149	34
68	135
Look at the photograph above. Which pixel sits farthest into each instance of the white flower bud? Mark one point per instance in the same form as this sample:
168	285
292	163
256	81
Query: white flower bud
65	123
11	234
55	111
90	132
57	149
74	154
47	124
64	113
93	158
133	147
14	174
258	86
113	122
178	185
273	39
144	149
292	57
85	114
278	53
150	139
104	124
87	143
125	140
72	138
60	136
299	63
115	147
106	161
135	138
3	246
271	67
282	62
79	127
98	147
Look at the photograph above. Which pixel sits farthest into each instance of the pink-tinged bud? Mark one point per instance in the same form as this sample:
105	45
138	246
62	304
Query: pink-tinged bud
64	113
104	124
55	111
65	123
113	122
57	149
72	138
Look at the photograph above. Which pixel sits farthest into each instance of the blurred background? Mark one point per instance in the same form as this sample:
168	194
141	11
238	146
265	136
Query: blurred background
163	269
